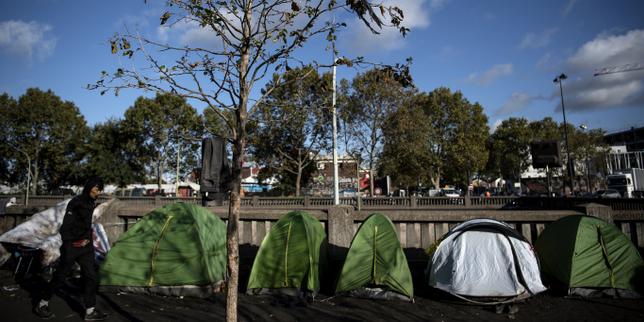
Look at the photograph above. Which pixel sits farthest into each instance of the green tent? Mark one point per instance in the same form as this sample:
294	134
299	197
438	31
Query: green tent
179	249
290	259
376	259
588	255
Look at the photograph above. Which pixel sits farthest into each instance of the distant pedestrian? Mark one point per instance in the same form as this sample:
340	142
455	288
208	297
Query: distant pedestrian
487	194
77	246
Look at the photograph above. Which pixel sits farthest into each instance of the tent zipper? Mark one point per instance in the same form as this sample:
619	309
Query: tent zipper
156	249
288	238
606	259
375	235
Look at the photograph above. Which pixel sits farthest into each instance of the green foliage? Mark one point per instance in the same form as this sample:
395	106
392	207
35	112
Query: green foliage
45	135
510	148
7	105
370	100
157	130
214	123
406	154
439	136
108	158
292	125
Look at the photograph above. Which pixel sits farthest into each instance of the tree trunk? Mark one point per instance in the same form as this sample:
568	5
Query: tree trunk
436	179
232	242
34	178
371	182
298	184
159	173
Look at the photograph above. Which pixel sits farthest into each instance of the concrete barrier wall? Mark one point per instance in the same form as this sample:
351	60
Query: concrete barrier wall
418	227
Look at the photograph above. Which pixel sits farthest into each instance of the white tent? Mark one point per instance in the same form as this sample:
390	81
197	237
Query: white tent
485	261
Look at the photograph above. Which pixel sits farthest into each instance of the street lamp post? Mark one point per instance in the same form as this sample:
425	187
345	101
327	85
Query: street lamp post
336	191
559	79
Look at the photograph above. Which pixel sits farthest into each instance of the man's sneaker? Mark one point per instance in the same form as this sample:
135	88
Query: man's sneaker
96	315
43	312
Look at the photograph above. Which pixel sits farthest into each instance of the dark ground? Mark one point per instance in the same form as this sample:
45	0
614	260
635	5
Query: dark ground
15	305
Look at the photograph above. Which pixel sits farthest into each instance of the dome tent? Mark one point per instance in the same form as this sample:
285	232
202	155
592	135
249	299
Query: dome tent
179	249
290	258
376	266
485	261
589	256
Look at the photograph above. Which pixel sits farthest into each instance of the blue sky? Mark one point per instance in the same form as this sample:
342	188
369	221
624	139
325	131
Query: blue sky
502	54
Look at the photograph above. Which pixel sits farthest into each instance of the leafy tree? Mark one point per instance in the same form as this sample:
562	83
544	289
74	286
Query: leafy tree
466	151
456	136
589	150
7	105
438	135
546	130
214	124
254	38
372	98
510	148
108	157
407	147
44	135
293	125
157	130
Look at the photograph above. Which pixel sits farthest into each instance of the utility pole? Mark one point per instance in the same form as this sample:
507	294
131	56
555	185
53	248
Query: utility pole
336	186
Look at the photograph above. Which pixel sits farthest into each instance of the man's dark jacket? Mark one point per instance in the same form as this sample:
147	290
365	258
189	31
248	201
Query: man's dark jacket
77	223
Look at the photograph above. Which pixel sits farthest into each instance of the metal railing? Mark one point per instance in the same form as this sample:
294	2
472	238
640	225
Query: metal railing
306	202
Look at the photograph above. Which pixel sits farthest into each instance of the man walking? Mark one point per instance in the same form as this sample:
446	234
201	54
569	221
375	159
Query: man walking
77	246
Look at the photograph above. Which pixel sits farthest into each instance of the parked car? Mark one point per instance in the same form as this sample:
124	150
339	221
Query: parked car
608	193
349	192
450	193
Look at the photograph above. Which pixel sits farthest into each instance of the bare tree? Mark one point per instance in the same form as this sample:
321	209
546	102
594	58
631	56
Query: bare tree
254	39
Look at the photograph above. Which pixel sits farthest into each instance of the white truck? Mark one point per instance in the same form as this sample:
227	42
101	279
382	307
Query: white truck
629	182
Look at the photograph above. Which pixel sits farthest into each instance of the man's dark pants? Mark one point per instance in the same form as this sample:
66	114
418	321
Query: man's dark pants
84	256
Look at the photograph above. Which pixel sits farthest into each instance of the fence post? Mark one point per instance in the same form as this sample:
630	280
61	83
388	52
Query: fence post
413	202
597	210
468	201
307	201
255	201
157	200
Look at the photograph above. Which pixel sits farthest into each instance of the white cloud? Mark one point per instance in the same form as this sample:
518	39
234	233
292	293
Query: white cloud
32	40
537	40
189	33
417	16
625	89
566	10
515	103
491	74
609	50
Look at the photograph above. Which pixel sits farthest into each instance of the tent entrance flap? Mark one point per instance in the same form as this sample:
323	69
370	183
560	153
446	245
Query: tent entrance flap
375	264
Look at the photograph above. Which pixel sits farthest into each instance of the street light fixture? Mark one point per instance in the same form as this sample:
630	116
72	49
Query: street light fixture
571	172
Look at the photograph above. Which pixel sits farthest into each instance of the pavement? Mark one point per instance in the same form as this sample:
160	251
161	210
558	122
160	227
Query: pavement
16	305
